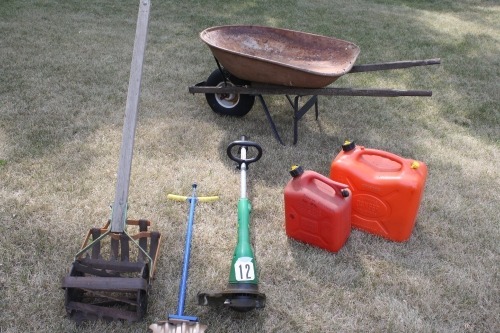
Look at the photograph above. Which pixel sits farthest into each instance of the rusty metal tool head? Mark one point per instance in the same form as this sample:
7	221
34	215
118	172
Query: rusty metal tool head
113	282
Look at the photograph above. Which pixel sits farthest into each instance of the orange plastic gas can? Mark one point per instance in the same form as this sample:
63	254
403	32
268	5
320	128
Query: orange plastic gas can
386	189
317	210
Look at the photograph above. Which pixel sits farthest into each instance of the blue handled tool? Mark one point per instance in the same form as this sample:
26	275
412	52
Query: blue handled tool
179	322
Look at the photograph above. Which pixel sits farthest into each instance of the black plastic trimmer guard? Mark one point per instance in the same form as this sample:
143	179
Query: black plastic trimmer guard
241	297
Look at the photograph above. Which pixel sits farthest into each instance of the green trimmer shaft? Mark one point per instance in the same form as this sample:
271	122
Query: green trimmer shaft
242	293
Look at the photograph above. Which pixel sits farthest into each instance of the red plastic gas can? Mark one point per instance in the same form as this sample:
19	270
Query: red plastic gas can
317	210
386	189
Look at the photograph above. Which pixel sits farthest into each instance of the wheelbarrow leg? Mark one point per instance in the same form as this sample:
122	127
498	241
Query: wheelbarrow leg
270	119
316	112
299	113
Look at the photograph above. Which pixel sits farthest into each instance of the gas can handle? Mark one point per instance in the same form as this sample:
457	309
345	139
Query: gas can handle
244	143
382	153
340	189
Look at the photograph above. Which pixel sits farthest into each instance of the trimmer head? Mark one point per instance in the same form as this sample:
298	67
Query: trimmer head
241	297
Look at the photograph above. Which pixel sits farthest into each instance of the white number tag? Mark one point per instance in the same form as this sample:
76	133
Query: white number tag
244	270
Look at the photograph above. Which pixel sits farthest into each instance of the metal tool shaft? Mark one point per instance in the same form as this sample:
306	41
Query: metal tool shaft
243	173
187	253
193	199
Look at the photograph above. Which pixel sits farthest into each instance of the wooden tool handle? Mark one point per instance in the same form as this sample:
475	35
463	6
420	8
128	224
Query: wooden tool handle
394	65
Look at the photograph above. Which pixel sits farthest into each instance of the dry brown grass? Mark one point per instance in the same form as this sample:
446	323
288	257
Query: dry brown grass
63	80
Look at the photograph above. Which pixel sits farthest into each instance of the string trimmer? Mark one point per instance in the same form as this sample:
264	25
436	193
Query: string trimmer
114	283
242	293
179	322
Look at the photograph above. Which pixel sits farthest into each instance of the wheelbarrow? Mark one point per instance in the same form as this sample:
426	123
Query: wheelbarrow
253	61
112	273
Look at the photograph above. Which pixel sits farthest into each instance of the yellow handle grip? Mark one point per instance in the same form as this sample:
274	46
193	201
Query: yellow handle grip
184	198
208	199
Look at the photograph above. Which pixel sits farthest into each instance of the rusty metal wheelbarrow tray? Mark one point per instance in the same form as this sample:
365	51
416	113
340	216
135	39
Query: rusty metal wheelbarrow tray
280	56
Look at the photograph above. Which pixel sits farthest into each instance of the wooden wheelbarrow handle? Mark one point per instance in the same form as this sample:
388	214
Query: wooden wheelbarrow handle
393	65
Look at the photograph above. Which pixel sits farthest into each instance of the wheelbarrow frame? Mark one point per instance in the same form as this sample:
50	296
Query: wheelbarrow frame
259	89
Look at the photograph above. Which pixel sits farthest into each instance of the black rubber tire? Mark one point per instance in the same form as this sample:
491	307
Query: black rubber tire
236	105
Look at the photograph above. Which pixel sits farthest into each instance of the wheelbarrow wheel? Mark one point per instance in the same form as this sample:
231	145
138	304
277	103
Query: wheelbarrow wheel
228	104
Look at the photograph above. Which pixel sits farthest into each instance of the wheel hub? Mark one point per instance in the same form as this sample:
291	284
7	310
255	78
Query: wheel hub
227	100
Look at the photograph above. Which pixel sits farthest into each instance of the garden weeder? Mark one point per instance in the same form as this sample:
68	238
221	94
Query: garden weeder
180	323
242	293
114	283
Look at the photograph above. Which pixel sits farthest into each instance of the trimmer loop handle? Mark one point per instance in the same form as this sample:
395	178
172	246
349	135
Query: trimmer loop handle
244	143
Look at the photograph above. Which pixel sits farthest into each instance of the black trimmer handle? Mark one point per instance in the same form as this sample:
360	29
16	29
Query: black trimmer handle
243	142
